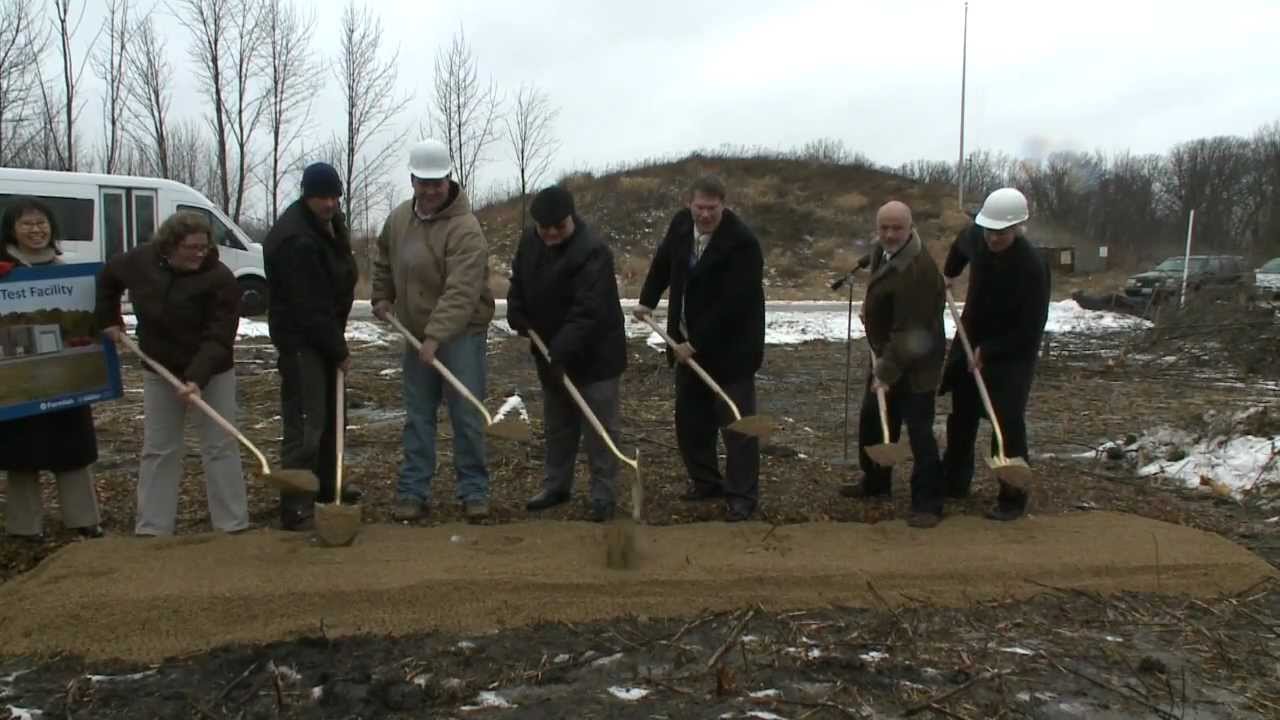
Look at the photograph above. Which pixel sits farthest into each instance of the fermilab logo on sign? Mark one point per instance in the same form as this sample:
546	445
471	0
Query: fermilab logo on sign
52	355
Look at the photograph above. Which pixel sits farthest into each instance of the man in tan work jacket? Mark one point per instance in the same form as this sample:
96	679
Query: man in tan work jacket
432	272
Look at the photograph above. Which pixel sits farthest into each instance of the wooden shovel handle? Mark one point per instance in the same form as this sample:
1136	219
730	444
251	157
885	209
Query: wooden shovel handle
696	368
582	404
977	374
339	430
196	400
444	371
881	401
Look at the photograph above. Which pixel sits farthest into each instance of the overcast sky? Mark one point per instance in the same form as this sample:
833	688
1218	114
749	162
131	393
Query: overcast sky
639	79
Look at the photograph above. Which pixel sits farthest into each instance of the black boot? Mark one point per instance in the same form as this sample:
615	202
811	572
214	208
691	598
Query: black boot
1011	504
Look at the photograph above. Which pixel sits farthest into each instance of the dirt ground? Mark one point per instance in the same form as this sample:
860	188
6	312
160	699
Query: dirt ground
1063	653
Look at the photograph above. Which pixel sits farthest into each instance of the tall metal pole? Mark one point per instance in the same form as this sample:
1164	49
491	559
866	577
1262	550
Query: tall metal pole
964	63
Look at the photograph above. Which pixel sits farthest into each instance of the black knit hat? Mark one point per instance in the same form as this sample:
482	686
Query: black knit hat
321	180
551	205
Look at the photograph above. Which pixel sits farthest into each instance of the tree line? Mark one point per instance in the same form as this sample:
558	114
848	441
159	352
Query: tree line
258	71
259	68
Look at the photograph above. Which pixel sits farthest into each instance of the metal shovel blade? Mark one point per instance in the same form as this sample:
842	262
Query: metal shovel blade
509	429
759	426
337	525
888	454
1011	471
298	481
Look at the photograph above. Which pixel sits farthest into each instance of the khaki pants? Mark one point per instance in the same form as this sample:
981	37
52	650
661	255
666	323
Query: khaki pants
24	511
160	473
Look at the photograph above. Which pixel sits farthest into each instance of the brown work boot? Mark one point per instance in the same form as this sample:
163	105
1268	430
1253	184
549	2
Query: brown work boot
408	510
476	510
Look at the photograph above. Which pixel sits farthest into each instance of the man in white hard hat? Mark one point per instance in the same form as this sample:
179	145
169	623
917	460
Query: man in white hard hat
432	272
1005	311
711	262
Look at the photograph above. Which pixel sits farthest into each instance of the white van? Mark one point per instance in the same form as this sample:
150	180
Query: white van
99	216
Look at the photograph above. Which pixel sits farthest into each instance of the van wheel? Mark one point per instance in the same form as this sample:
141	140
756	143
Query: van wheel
253	296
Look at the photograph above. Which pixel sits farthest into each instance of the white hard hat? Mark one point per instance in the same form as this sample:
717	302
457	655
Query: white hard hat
1003	208
429	160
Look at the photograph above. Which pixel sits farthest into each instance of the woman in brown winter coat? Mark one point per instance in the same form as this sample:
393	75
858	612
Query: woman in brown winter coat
187	305
62	442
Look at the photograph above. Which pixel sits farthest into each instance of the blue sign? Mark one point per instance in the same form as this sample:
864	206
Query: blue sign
52	354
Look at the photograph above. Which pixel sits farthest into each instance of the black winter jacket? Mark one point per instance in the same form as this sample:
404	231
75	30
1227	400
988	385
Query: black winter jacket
569	295
722	296
311	277
1006	307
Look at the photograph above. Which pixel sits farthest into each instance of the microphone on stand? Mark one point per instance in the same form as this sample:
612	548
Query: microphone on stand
863	263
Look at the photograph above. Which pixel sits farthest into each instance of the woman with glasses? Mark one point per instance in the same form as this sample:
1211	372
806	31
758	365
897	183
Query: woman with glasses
62	442
187	305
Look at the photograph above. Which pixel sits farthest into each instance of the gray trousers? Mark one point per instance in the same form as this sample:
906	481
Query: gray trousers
163	448
24	511
564	424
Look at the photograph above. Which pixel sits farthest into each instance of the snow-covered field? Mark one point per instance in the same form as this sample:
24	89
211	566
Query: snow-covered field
785	324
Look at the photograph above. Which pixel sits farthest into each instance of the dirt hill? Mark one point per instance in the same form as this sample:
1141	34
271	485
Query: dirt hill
814	219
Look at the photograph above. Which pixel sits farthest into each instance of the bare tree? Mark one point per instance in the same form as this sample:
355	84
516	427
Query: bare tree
148	91
466	110
67	29
210	23
530	130
22	45
192	161
110	65
1210	175
293	78
247	99
371	104
929	171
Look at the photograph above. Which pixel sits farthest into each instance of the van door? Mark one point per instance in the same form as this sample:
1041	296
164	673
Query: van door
115	223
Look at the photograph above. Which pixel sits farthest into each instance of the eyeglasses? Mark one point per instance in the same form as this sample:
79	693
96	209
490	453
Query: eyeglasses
34	224
201	249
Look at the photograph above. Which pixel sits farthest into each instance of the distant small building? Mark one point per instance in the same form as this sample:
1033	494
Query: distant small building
24	340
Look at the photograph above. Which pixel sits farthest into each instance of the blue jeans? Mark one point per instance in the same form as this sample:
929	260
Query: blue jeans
423	387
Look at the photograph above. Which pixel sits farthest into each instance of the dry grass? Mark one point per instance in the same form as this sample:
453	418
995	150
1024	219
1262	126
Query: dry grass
634	268
851	201
825	248
639	184
760	190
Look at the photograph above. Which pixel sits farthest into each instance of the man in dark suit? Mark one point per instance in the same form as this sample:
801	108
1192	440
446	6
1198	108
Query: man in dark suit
712	264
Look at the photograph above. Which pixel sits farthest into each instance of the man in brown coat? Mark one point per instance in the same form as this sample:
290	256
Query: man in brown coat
902	314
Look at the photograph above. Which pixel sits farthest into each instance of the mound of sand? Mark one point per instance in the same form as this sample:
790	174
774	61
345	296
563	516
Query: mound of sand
146	599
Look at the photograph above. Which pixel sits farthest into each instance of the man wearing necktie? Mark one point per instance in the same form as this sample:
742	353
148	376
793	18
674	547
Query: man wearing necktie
713	265
902	314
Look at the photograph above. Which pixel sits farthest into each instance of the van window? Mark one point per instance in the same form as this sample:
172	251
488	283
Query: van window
222	235
144	217
74	216
113	227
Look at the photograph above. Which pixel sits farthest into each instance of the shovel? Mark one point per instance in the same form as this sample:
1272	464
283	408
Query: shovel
754	425
508	428
337	524
1011	471
888	453
621	534
297	481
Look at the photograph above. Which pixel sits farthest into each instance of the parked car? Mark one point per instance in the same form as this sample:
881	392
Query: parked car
1268	279
1203	272
102	215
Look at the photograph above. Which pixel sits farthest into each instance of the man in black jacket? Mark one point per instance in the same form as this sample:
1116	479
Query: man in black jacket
1005	311
311	277
712	263
563	287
